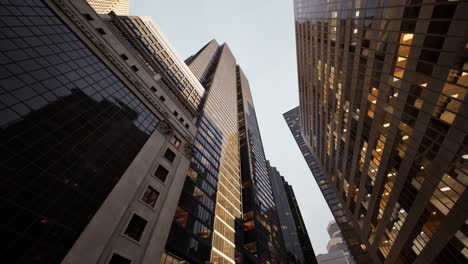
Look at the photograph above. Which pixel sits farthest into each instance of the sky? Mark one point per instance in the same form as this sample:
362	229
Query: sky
261	36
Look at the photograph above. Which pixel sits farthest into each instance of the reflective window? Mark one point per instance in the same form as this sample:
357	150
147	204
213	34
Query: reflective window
135	227
150	196
161	173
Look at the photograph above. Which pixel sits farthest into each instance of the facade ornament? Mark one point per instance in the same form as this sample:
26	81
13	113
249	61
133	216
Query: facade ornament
165	127
188	151
91	35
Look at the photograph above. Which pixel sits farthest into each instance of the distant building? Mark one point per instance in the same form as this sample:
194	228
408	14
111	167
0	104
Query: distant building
120	7
292	224
292	118
335	257
337	243
288	226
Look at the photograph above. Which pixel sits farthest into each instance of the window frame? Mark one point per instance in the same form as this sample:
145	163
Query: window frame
165	177
143	195
127	225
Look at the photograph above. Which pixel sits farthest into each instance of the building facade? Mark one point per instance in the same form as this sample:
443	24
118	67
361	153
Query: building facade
227	193
383	111
335	257
304	240
352	238
212	190
120	7
94	160
337	243
294	248
261	228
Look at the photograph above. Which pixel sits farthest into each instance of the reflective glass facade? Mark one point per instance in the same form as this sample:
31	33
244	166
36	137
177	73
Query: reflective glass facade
69	130
288	226
192	229
215	169
383	103
262	233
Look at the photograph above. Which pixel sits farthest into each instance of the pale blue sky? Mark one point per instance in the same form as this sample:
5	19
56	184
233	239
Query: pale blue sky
261	35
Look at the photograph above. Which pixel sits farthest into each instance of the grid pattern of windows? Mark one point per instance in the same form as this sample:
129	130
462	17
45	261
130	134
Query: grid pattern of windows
197	202
288	226
292	118
120	7
213	180
70	129
157	48
260	216
383	89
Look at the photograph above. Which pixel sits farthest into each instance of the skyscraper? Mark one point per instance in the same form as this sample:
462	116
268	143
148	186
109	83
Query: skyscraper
336	247
212	192
262	233
226	213
295	237
93	163
382	89
120	7
345	224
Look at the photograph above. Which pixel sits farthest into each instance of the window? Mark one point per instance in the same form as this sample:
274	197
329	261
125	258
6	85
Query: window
438	27
175	141
169	155
135	227
150	196
176	113
123	56
134	68
444	11
88	17
161	173
101	31
187	126
117	259
153	89
181	120
181	217
162	98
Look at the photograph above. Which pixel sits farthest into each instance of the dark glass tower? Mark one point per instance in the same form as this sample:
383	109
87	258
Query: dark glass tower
383	108
88	151
297	243
262	234
304	240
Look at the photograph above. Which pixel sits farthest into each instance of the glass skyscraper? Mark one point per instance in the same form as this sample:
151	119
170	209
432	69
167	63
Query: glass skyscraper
296	239
227	212
383	107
